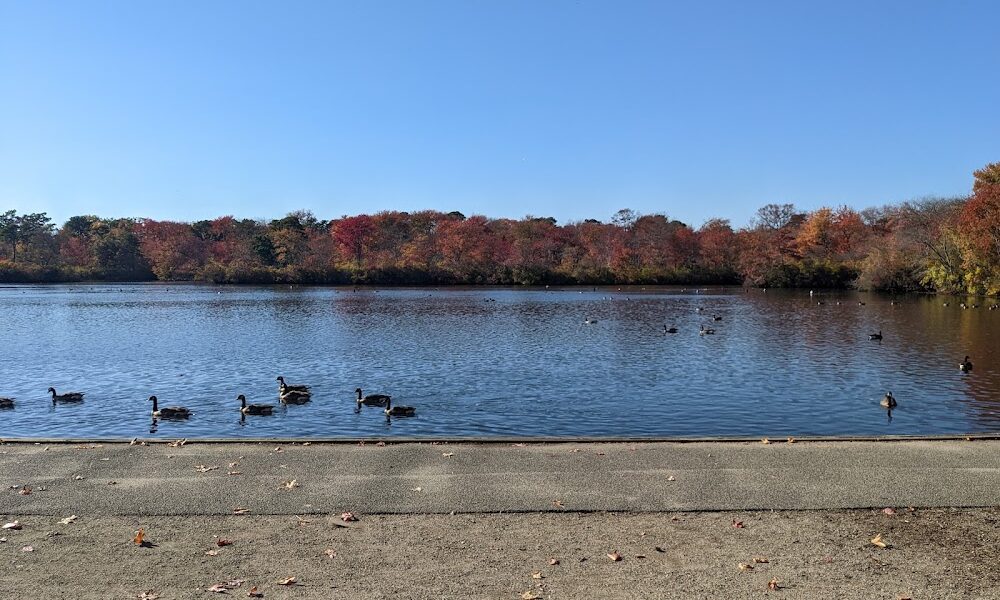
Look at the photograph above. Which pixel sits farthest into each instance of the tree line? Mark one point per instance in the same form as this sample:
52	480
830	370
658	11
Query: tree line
936	244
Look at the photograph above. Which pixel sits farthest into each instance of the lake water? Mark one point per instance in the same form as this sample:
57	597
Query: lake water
494	362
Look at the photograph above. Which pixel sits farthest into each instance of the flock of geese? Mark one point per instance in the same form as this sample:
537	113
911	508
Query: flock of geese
287	394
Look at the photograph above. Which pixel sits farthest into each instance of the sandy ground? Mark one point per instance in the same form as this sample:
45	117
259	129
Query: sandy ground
931	553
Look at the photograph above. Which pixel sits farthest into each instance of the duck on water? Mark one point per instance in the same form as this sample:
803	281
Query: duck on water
372	399
254	409
168	412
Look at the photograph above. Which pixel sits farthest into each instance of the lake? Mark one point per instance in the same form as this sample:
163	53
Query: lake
494	362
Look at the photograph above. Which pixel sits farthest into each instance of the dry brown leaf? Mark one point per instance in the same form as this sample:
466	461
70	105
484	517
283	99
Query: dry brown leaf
791	440
219	588
877	541
640	556
177	443
139	536
614	556
537	575
211	552
148	596
68	520
737	524
889	511
78	477
233	465
287	581
330	552
745	567
291	484
25	491
558	504
234	473
28	549
15	525
347	517
278	449
253	593
447	454
239	510
659	549
519	445
671	478
765	441
204	469
223	542
380	444
553	561
530	595
760	559
599	453
774	584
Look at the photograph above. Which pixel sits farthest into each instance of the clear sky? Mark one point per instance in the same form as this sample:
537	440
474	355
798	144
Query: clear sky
573	109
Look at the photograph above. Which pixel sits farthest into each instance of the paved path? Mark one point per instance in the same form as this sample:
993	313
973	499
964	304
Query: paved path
411	478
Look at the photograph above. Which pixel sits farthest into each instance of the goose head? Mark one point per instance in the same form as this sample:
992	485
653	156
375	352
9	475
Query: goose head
153	400
243	400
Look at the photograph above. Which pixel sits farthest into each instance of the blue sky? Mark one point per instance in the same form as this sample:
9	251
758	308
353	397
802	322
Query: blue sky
191	110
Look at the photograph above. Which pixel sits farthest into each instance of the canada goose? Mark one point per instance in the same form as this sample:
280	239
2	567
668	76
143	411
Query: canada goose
293	388
373	399
67	397
589	321
875	336
963	306
994	306
169	412
945	303
975	306
398	411
253	409
289	396
716	317
699	309
669	329
888	401
706	331
6	403
965	365
860	303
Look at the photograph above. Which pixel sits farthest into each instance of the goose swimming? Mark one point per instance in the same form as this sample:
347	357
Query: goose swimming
67	397
966	365
253	409
169	412
398	411
373	399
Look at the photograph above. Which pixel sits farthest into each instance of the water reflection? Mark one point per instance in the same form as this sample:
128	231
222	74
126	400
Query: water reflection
480	362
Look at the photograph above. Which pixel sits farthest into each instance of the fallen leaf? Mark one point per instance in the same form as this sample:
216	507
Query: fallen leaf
239	510
278	449
737	524
232	465
889	511
671	478
28	549
12	525
745	567
599	453
24	491
417	489
553	561
204	469
614	556
177	443
447	454
219	588
290	484
287	581
381	444
330	552
877	541
212	552
791	440
234	583
529	595
253	593
765	441
302	522
68	520
347	517
148	596
3	540
78	477
519	445
659	549
139	535
234	473
760	559
558	504
537	575
773	584
640	556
